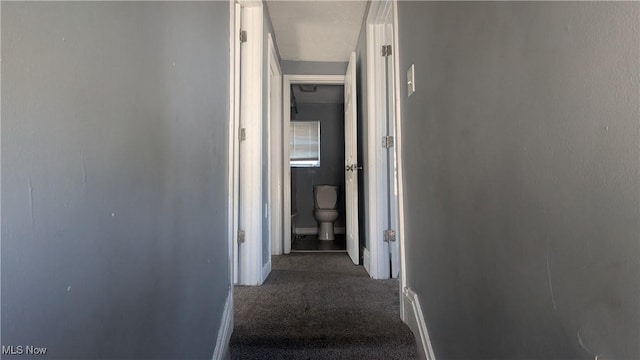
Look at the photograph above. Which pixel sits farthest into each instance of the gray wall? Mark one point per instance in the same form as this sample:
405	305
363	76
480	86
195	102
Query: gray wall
313	67
522	178
331	170
114	188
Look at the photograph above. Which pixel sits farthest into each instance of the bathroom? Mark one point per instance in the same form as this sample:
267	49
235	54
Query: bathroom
317	110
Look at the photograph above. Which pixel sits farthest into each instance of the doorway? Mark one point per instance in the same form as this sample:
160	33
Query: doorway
257	204
316	151
350	146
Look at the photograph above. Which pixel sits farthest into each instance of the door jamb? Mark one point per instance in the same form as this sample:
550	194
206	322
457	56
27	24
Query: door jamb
234	99
399	162
287	80
247	105
382	12
234	121
377	208
379	268
275	151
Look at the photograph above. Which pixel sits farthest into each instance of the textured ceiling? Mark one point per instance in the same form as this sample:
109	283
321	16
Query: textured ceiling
318	30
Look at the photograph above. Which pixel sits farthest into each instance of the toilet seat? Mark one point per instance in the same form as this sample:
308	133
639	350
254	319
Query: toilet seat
326	215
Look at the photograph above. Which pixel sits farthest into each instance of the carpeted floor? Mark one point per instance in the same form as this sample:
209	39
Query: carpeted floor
311	243
319	306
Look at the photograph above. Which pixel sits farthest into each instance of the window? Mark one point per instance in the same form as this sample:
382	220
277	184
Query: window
305	144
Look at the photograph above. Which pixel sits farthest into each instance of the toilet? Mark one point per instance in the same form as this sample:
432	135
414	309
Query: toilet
326	200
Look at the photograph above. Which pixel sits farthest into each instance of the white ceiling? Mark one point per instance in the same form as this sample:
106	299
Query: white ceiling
320	30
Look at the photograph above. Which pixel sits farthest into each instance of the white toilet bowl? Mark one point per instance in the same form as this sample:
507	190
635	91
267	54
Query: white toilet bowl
326	199
326	219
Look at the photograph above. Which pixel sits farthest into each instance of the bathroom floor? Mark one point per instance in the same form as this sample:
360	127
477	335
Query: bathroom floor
303	243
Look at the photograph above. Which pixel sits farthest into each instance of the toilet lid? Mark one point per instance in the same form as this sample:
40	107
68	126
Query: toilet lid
326	196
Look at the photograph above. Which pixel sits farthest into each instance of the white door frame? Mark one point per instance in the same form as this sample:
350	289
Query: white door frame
399	162
380	13
287	80
376	154
245	157
234	112
274	133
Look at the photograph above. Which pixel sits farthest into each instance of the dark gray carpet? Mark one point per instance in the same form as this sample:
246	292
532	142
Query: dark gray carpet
319	306
311	243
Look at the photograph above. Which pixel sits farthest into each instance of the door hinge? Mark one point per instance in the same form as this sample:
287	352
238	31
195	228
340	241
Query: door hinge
386	50
242	135
243	36
389	235
241	236
387	142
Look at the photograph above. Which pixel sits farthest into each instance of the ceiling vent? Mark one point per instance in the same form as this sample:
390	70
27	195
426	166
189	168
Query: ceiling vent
308	88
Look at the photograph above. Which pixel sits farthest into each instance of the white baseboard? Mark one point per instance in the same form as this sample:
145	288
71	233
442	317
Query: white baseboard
366	260
314	230
266	270
414	318
225	330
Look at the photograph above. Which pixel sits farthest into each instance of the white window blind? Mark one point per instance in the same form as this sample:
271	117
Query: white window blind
305	144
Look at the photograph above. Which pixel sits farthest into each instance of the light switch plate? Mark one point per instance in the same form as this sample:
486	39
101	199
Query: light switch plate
411	81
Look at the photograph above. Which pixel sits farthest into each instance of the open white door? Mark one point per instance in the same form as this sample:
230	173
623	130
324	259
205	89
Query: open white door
351	160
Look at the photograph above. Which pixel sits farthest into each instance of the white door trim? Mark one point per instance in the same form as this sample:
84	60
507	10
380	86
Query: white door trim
399	164
248	256
374	156
379	14
234	121
226	328
226	324
287	80
382	12
274	85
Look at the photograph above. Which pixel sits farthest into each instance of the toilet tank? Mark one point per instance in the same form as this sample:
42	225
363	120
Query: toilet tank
325	196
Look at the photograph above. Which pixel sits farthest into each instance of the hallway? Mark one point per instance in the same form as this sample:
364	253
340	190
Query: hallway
517	151
319	306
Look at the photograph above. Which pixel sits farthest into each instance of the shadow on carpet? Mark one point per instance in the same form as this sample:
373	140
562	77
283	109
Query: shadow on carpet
319	306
